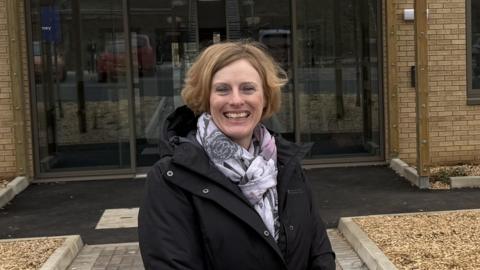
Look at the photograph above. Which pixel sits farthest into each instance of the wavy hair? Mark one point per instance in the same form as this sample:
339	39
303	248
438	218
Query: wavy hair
198	81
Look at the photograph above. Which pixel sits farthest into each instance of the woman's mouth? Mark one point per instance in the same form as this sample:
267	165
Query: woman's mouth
236	115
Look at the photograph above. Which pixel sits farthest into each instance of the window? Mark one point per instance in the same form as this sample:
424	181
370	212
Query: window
473	52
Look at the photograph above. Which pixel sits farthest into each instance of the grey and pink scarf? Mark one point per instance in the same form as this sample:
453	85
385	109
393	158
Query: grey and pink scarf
253	170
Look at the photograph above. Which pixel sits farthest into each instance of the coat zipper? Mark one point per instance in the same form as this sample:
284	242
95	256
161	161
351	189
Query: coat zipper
286	243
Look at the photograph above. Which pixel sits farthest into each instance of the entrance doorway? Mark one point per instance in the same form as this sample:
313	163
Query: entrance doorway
338	68
107	73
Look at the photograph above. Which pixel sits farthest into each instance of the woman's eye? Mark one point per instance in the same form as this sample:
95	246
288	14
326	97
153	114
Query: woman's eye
248	88
221	89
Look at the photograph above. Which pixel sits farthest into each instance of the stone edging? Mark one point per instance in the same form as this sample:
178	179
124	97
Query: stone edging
465	182
366	249
12	189
410	173
63	256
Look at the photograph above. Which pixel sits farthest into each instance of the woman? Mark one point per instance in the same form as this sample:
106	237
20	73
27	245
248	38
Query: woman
227	194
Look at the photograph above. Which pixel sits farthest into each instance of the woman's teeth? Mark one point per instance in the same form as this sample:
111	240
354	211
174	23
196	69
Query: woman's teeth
236	114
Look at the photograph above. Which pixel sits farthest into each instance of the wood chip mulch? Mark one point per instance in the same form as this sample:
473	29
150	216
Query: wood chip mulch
27	254
449	240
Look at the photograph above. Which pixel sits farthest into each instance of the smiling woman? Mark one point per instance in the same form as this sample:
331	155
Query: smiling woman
240	180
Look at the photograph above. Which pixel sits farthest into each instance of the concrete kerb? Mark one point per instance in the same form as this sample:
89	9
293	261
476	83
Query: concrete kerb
465	182
366	249
12	189
410	173
63	256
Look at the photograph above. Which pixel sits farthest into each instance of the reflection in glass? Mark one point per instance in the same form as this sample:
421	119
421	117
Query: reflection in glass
338	76
177	31
80	85
257	20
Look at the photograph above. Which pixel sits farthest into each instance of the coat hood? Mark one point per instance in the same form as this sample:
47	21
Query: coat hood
177	126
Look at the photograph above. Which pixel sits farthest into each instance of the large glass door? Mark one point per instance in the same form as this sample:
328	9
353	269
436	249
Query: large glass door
107	73
338	79
80	85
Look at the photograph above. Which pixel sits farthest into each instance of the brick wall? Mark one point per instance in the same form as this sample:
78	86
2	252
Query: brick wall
7	146
454	127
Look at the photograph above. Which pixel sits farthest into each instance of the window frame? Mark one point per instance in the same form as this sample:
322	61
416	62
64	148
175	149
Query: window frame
473	95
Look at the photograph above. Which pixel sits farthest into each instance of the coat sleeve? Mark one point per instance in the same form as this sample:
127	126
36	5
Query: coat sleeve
169	237
322	256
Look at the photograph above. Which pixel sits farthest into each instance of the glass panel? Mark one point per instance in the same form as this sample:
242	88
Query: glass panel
80	85
167	36
338	76
475	26
257	20
165	40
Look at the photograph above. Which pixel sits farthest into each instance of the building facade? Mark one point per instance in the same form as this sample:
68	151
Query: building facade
85	85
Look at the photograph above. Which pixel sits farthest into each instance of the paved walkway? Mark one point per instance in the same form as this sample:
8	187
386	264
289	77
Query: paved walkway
109	256
126	256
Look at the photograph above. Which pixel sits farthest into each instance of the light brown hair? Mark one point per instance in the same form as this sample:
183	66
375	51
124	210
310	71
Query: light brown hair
198	81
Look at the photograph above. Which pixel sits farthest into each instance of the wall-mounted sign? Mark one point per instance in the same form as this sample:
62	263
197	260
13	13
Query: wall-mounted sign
50	24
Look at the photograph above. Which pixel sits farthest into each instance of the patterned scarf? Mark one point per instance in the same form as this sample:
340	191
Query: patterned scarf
253	170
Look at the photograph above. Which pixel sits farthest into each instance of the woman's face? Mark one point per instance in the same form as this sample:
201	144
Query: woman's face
237	101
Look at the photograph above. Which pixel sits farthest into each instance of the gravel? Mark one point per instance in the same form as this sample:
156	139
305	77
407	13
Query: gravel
440	175
4	182
449	240
27	254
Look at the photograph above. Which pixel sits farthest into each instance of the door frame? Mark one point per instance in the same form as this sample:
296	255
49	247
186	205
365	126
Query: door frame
83	172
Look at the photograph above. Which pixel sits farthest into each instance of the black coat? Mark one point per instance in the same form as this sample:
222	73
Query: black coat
193	217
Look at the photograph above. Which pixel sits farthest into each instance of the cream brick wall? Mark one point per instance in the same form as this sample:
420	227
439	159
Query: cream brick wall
7	149
7	146
454	126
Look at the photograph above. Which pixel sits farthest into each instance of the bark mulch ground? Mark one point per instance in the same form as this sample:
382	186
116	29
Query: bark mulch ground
449	240
27	254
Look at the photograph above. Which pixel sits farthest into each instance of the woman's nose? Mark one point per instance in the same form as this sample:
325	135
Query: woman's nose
236	97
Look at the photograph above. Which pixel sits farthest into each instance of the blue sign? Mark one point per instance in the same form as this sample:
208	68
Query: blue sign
50	24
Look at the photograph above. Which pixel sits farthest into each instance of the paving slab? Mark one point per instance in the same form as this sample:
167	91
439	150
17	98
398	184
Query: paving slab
118	218
347	258
108	256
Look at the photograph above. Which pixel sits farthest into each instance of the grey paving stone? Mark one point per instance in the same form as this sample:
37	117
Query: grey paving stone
347	258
